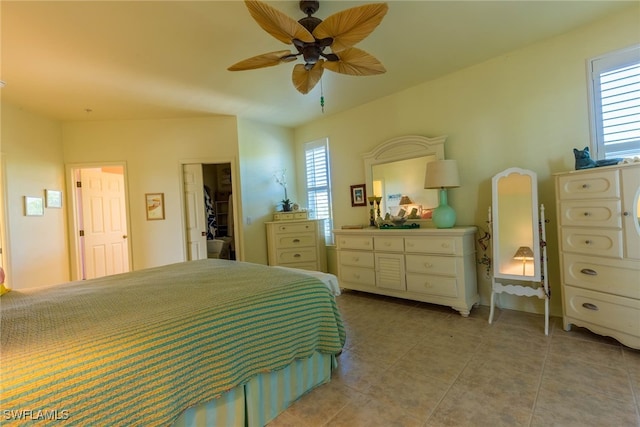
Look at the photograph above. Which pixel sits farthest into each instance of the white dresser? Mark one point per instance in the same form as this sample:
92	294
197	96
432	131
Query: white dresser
297	244
599	234
429	264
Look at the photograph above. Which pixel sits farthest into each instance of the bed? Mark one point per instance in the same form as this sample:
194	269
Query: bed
208	342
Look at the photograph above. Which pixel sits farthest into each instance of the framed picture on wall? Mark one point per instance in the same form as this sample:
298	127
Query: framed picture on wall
53	198
33	206
154	206
358	195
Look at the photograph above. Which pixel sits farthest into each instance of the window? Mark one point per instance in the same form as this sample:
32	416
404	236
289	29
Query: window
615	99
319	183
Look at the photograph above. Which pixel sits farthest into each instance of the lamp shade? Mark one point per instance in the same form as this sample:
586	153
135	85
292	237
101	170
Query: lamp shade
524	253
405	200
442	174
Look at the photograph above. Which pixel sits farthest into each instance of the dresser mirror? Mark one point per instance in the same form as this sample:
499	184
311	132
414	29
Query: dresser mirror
395	172
514	214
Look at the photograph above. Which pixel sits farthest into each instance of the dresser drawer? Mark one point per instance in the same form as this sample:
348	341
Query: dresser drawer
355	242
614	312
356	259
433	245
425	264
604	213
432	285
592	185
286	256
592	241
601	274
361	276
388	244
295	240
312	266
294	227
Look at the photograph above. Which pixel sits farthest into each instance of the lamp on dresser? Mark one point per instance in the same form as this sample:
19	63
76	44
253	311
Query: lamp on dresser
442	174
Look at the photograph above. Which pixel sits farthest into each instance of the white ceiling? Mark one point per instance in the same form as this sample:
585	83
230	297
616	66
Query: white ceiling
159	59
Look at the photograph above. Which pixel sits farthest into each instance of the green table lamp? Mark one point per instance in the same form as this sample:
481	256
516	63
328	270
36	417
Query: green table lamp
442	174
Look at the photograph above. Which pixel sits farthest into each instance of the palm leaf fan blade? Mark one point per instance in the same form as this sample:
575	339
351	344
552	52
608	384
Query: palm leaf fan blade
265	60
355	62
351	25
304	80
277	23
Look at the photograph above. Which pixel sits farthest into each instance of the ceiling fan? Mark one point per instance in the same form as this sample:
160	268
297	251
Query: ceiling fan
311	36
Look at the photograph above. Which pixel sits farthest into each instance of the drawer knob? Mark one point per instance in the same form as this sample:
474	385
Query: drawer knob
589	272
356	259
588	242
587	214
445	245
590	306
585	186
297	255
296	240
428	264
625	213
427	285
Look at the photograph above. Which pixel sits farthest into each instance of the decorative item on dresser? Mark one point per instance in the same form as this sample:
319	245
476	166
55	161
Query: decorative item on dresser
519	246
442	174
297	244
599	234
430	265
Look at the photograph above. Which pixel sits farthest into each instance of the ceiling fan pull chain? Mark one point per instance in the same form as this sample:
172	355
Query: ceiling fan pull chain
321	96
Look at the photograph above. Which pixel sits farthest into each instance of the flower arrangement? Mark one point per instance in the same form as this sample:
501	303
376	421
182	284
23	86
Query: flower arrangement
281	179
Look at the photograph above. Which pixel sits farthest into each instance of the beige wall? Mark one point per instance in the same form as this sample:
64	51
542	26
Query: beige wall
35	151
154	151
36	250
264	149
527	109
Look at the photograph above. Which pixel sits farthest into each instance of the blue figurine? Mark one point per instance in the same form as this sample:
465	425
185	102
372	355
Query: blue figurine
584	160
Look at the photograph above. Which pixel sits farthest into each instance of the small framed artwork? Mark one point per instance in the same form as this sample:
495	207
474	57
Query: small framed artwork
33	206
154	206
53	198
358	195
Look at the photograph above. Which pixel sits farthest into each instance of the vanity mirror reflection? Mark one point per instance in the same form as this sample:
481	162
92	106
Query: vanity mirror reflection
395	172
518	244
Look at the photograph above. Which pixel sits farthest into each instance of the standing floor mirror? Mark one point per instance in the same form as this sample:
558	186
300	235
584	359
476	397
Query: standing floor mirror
519	243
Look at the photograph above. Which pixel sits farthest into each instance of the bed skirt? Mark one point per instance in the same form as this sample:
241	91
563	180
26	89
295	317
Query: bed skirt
263	398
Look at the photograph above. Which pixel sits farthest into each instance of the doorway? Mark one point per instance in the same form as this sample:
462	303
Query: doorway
99	224
209	211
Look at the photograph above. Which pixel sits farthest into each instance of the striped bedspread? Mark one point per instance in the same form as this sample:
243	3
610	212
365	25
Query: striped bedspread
141	347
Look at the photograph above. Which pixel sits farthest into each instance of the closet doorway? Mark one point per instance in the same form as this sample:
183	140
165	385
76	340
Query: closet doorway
209	210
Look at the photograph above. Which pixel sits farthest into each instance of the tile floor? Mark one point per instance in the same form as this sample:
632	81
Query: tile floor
415	364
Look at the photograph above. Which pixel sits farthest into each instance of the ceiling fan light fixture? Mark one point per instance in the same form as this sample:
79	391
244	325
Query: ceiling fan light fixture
311	36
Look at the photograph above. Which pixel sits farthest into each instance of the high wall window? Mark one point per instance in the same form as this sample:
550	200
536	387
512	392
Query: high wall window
615	104
319	183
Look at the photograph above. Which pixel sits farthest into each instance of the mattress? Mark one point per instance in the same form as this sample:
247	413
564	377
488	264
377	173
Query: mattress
141	347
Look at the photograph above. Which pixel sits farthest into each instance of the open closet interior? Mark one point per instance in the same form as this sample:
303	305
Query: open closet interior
218	210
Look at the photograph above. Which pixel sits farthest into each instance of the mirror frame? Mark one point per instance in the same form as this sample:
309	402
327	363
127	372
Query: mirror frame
535	225
402	148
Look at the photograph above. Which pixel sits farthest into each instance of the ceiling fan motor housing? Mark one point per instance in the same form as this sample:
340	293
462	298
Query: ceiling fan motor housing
309	6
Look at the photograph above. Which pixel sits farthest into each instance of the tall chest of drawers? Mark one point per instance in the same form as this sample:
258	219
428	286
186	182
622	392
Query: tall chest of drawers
599	234
430	265
297	244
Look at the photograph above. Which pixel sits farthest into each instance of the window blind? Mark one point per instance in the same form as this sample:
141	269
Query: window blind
319	184
616	89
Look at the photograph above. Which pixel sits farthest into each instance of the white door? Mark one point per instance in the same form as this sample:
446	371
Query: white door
195	213
105	247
